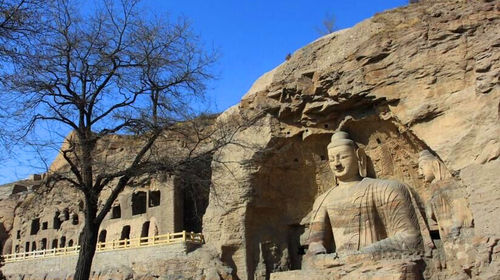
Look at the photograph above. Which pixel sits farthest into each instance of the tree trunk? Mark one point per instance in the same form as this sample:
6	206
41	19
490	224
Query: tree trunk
88	236
88	243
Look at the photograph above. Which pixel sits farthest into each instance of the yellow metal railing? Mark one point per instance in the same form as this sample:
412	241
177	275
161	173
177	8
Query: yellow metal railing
169	238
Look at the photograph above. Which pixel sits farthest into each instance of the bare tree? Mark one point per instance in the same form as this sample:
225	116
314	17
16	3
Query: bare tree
115	70
327	25
19	19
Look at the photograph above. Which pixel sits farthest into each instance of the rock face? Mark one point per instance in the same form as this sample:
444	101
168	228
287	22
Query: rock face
421	77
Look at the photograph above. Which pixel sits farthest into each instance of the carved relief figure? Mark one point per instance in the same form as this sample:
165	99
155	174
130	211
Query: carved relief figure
365	215
447	206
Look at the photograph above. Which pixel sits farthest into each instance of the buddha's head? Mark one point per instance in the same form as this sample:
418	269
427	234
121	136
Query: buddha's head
347	161
430	167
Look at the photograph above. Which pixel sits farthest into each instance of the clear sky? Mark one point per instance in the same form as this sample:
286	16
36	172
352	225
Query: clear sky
252	37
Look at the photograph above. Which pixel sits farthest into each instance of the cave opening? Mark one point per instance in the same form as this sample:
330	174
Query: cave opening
35	226
154	198
139	203
116	212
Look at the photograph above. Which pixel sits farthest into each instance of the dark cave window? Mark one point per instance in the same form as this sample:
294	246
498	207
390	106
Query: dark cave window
57	222
145	231
154	198
435	234
102	236
116	212
139	203
125	233
43	244
74	219
35	226
45	225
66	214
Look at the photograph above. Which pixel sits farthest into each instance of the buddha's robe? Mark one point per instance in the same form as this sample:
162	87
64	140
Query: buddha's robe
373	215
449	208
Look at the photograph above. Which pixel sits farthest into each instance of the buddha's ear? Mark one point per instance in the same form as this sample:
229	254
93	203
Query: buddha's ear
360	153
436	169
440	170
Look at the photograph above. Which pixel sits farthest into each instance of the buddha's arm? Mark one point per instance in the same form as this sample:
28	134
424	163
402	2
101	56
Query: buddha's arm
400	222
317	229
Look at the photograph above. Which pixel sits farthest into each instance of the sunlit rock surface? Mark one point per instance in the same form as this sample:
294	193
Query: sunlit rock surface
420	77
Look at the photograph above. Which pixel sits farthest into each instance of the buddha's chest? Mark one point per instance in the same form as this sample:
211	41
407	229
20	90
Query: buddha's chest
352	215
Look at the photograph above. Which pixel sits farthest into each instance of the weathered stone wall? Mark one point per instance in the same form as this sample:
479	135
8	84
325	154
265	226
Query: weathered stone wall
168	261
418	77
166	217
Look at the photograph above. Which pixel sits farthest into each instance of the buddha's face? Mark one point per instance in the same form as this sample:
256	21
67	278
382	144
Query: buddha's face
425	170
344	162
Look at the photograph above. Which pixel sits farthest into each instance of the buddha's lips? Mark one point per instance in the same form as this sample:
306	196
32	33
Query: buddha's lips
339	168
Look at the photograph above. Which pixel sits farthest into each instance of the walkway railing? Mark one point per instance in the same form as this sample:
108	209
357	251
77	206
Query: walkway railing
169	238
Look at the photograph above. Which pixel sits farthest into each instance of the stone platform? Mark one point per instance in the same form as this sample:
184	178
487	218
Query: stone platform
362	269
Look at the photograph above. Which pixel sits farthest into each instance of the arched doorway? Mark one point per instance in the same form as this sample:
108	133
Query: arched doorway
145	232
125	235
102	238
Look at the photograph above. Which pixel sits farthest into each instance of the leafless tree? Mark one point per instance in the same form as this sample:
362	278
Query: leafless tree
113	70
19	19
327	25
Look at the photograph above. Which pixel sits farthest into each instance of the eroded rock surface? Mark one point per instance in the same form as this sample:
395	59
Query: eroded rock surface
421	77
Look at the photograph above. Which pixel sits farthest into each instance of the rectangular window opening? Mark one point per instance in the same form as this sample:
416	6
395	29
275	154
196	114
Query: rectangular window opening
154	198
35	226
139	203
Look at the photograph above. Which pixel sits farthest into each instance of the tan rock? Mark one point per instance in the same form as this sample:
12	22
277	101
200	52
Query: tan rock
419	77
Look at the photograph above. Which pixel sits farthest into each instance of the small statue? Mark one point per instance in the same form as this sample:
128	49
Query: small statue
447	206
431	168
365	215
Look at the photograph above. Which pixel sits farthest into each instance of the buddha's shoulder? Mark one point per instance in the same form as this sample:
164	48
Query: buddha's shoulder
324	194
322	197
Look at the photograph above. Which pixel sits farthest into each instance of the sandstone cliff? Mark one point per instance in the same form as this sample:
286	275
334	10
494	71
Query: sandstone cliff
419	77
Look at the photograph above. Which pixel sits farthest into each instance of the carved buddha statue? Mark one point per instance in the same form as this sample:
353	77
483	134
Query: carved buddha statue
364	215
447	206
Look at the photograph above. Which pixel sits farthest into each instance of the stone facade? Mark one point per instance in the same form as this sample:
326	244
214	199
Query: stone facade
139	212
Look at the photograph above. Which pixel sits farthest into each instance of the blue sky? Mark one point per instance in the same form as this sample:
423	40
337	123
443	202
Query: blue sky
252	37
255	36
